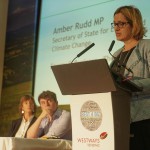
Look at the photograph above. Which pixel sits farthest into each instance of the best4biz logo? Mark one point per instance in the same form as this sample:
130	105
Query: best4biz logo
91	115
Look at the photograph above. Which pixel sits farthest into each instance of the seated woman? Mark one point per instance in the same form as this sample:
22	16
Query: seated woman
27	108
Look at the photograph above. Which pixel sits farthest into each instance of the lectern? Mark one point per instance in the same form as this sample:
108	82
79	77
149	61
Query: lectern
100	110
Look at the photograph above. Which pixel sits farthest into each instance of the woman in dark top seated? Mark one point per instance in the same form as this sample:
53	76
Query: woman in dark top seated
27	108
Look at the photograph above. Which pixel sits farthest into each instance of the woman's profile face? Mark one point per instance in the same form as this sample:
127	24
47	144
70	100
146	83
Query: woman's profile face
122	28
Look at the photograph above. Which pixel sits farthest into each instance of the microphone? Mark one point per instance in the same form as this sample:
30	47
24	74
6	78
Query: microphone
85	50
115	59
110	48
129	70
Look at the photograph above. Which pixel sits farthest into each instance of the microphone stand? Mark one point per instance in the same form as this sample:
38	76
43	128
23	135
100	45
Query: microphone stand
73	59
86	49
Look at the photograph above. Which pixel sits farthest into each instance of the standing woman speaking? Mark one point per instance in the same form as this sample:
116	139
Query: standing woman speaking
134	55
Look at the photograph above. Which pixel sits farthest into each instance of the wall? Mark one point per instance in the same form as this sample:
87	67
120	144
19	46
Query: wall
10	94
3	20
18	57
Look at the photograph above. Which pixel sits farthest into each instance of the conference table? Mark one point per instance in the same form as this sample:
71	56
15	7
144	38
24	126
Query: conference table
13	143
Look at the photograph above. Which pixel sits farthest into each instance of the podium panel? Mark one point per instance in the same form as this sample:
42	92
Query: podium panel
92	122
85	77
100	110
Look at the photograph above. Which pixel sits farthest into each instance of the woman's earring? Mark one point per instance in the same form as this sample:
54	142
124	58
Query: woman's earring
22	111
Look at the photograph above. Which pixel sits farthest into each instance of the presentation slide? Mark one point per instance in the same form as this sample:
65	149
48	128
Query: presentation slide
67	27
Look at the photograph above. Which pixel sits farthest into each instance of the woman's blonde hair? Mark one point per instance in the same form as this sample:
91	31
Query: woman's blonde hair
134	17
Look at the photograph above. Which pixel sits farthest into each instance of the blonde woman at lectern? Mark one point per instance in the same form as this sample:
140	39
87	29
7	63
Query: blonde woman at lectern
133	62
